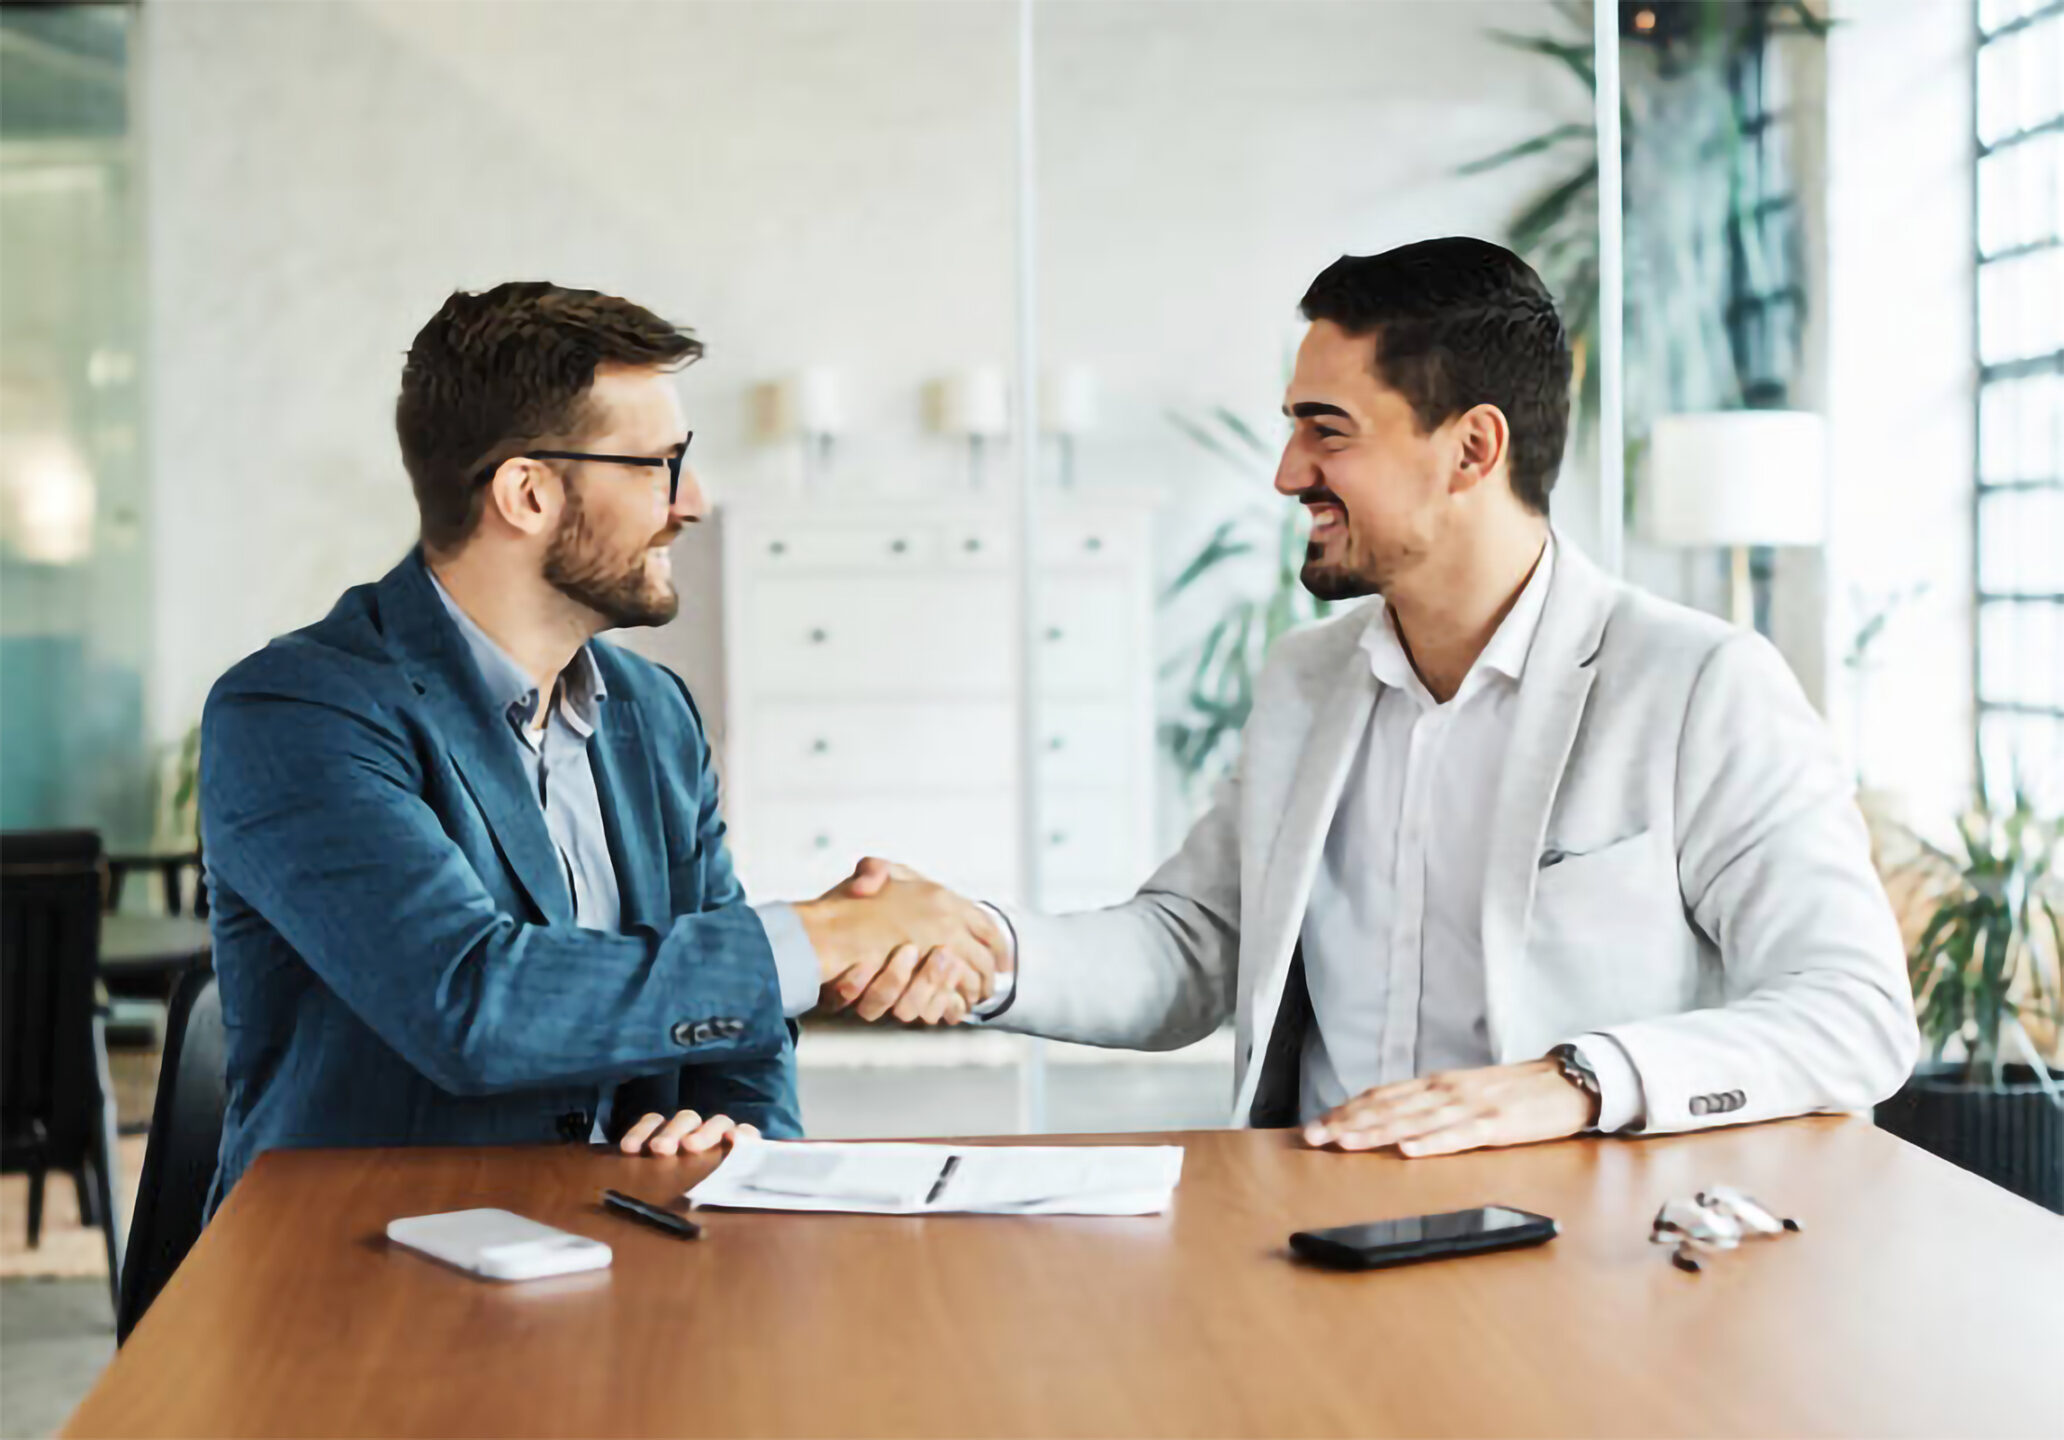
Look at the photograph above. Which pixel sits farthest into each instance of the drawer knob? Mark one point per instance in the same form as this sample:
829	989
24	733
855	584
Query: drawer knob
823	842
1093	544
778	547
1053	633
820	746
1059	837
971	545
1057	743
897	547
818	637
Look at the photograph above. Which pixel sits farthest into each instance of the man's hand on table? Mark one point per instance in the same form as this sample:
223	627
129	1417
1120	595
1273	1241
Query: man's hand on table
1459	1110
890	942
687	1134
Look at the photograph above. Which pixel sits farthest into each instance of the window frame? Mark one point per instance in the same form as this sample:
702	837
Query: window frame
1996	788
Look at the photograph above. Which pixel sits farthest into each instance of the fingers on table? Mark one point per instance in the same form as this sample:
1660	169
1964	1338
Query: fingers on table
687	1133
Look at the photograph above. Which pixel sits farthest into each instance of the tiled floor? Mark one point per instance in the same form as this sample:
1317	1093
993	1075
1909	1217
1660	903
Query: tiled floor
57	1334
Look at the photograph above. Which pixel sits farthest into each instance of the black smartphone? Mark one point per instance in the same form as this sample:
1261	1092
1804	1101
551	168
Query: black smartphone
1422	1237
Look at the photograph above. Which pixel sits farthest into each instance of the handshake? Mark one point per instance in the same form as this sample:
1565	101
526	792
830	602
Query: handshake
890	942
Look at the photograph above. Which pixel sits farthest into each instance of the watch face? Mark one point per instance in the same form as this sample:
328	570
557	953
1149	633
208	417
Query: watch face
1574	1069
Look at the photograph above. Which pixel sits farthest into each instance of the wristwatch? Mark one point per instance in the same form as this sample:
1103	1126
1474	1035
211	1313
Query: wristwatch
1577	1070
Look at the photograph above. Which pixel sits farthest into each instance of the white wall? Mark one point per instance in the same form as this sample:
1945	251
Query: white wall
1900	384
802	182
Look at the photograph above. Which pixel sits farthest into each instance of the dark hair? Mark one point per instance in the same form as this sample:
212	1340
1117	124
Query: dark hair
1458	323
500	371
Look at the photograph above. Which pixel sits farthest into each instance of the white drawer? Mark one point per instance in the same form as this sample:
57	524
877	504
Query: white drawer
1087	838
887	637
872	747
1086	743
1086	639
776	550
1073	540
794	849
976	545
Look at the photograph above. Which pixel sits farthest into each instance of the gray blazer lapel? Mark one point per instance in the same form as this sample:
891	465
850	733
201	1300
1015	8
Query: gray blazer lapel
1329	749
1552	696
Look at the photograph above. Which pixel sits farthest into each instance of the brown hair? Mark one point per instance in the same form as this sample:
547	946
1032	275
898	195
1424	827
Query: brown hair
500	371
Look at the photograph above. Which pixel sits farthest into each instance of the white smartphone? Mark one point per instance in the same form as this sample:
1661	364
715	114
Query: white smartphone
498	1245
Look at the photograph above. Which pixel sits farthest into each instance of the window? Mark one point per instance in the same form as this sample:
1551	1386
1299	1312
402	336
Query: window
2019	527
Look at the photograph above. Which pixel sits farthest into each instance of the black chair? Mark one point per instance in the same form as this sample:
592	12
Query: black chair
179	1162
57	1104
171	869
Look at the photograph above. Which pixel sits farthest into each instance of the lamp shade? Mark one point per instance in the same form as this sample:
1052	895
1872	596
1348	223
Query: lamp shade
975	402
813	403
1737	477
1068	400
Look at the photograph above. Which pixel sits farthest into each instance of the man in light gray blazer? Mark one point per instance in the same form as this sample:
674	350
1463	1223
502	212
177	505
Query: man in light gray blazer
1514	850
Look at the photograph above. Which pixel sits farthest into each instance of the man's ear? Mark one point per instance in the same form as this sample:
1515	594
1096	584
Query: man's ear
1483	439
524	495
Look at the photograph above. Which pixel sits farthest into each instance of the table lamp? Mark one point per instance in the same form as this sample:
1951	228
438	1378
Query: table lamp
1738	478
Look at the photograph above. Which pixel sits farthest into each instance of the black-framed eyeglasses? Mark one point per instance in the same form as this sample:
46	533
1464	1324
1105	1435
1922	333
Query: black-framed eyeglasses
672	463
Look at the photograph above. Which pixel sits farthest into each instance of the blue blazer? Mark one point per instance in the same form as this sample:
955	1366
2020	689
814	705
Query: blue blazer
394	937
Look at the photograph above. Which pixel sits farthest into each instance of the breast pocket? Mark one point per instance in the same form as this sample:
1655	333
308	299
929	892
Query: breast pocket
1608	925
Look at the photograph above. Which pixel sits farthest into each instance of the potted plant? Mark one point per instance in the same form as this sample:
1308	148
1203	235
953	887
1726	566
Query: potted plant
1203	737
1990	997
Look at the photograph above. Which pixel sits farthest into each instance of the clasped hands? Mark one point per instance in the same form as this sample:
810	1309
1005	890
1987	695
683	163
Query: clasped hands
890	942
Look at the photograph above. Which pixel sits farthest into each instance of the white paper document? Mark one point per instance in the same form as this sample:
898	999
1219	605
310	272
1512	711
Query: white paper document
944	1179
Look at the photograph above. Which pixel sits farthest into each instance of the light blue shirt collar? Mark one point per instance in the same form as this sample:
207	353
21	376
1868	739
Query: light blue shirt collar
581	688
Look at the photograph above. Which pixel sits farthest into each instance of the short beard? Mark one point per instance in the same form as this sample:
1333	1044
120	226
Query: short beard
575	568
1333	582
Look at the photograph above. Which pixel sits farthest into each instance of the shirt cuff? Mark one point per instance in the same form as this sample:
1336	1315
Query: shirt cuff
1006	982
795	958
1622	1104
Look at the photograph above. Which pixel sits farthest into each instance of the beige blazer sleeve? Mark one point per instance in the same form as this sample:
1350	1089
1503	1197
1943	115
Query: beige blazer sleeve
1774	865
1155	973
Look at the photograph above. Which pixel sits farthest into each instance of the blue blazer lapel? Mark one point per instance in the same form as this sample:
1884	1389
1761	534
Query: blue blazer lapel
476	733
628	789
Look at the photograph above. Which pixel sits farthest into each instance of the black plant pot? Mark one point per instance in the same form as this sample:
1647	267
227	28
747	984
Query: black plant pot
2012	1135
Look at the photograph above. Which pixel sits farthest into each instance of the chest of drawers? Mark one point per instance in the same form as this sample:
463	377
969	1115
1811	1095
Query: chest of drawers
871	693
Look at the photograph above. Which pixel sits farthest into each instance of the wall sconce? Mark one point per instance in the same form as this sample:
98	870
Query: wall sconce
810	406
1067	405
975	404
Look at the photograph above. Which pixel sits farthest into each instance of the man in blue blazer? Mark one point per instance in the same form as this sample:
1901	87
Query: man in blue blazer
467	860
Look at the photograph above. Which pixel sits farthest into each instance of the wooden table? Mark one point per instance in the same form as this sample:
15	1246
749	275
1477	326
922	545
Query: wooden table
1919	1301
132	946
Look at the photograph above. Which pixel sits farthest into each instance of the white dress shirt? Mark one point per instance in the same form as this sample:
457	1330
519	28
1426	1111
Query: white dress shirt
1392	942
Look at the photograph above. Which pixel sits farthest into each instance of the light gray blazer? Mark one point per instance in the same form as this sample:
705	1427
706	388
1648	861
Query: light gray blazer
1677	862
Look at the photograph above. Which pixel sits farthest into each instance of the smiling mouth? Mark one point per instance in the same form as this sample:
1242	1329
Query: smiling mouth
1326	518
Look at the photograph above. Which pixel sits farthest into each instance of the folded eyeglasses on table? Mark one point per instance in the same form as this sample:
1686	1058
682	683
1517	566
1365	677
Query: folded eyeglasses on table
1718	1218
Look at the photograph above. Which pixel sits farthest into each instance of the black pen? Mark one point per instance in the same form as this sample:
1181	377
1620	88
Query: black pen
945	1173
679	1226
